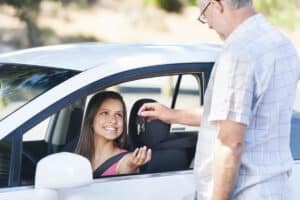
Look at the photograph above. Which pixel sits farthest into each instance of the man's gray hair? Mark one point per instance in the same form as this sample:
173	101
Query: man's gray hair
237	3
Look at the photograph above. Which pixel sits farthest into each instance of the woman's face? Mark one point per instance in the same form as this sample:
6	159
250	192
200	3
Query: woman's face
108	121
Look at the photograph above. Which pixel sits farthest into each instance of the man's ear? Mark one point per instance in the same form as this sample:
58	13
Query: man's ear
219	5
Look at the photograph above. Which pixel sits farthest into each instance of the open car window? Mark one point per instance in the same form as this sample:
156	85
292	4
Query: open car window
188	98
60	131
173	145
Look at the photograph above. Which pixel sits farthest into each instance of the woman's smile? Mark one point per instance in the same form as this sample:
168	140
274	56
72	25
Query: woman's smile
108	122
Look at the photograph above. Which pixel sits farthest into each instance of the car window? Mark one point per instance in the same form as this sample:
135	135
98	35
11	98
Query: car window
49	136
161	89
177	144
188	99
157	88
34	147
38	132
19	84
60	131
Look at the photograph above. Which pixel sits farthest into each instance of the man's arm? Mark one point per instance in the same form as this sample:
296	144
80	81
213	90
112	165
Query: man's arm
171	116
186	117
227	156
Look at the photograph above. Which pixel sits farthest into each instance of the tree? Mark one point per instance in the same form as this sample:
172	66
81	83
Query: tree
168	5
28	12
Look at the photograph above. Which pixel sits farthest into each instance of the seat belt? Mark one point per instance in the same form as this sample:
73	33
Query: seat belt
108	163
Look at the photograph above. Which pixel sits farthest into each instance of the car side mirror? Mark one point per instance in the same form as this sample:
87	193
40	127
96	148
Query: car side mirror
61	170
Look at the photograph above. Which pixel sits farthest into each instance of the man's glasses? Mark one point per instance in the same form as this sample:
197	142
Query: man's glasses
202	18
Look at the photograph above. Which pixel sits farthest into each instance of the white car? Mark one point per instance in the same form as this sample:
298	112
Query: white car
43	95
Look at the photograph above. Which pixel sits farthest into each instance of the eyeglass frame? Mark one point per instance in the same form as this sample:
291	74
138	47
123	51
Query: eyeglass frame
202	18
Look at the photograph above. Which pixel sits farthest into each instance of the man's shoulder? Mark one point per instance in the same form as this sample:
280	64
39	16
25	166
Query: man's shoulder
272	45
258	39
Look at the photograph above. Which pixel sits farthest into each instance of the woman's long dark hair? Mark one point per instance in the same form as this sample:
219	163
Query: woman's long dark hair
85	146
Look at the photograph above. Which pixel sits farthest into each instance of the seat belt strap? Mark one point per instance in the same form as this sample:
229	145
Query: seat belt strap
108	163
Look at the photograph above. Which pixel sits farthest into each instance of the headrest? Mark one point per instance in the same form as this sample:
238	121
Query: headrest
142	132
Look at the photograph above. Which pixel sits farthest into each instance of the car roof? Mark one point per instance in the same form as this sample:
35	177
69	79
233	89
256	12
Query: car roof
97	61
84	56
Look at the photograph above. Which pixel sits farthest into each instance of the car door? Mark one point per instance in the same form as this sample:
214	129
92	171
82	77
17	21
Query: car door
162	185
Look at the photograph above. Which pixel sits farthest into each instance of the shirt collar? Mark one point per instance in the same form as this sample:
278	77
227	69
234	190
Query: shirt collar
241	29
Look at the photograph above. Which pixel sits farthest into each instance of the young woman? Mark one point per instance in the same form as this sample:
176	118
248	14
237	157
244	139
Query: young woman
103	136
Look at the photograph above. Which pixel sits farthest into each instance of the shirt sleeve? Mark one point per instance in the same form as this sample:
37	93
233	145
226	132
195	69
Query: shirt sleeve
232	92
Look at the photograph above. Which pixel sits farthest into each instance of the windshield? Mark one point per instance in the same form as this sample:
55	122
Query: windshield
21	83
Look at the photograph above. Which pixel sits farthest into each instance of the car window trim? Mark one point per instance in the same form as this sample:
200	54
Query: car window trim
121	177
176	90
14	178
133	74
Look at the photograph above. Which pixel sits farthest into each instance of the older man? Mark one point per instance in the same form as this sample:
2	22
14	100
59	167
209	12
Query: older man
243	148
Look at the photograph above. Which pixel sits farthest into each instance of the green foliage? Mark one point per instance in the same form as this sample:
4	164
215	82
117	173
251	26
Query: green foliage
280	12
168	5
267	6
172	5
78	3
23	4
193	2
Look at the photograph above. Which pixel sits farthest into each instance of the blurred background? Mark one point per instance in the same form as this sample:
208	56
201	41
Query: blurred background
28	23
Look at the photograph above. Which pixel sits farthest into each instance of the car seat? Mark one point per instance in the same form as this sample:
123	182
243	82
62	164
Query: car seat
73	130
169	151
4	163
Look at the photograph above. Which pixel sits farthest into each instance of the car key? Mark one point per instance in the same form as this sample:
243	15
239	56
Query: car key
141	125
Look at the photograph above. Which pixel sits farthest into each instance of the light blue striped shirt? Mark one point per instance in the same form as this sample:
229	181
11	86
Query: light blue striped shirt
253	82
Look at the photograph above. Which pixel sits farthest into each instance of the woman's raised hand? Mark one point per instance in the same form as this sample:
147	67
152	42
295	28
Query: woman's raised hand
135	159
140	156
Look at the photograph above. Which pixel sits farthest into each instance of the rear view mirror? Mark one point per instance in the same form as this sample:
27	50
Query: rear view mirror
61	170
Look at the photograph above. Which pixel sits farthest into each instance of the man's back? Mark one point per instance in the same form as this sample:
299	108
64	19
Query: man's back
254	83
267	159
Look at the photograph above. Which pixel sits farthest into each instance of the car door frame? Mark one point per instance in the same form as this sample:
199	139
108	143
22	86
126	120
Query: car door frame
111	80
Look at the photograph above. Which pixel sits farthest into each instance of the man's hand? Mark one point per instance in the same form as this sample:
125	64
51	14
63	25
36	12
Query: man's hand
154	111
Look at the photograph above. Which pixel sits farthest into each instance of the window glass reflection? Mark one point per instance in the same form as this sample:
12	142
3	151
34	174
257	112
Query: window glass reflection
21	83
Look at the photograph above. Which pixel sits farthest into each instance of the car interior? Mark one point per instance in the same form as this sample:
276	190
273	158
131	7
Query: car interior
173	147
5	149
170	151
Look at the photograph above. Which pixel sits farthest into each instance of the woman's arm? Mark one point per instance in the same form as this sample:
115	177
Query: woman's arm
131	162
